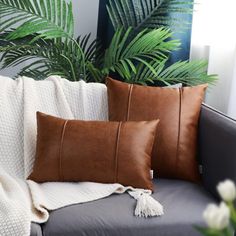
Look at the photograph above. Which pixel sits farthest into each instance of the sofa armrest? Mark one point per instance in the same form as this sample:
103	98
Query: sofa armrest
217	147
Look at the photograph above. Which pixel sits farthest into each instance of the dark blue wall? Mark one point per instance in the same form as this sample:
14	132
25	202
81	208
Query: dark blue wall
105	28
185	37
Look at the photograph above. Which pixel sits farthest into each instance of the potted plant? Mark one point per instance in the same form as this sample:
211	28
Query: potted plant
139	50
221	219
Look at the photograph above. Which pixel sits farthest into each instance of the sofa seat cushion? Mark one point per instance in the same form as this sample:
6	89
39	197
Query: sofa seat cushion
36	230
183	204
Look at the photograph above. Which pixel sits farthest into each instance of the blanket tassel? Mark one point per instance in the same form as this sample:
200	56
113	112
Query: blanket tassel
146	206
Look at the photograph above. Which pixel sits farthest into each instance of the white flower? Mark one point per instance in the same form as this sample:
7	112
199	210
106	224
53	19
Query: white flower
227	190
217	217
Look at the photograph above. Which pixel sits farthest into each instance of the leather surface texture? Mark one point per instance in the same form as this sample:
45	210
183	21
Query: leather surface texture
174	152
96	151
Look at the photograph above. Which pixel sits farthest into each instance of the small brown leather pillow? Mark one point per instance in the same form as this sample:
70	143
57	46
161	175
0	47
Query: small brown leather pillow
174	151
97	151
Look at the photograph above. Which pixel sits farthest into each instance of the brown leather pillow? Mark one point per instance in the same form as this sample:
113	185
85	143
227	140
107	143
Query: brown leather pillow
174	151
97	151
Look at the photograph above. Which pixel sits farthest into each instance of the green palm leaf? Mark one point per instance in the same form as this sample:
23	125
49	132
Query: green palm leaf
49	56
44	62
52	57
94	58
49	18
151	14
123	54
92	49
187	72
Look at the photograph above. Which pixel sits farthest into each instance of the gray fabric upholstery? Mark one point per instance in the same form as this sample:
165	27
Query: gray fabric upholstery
183	202
217	147
36	230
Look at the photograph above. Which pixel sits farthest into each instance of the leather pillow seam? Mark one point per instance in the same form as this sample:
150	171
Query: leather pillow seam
61	177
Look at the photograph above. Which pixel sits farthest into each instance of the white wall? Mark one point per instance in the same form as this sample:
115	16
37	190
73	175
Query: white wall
214	39
86	19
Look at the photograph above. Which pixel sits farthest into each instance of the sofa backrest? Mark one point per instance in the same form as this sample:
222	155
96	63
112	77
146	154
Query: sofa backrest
216	147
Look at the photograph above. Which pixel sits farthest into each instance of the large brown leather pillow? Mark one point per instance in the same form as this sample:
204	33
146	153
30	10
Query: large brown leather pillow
97	151
174	152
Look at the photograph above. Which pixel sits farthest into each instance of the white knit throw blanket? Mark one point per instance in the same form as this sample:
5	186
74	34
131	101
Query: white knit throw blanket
21	201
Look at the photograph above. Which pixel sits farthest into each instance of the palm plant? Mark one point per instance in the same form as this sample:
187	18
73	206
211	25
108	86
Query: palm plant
43	30
149	14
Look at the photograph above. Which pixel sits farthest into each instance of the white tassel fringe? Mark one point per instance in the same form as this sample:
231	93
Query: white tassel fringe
146	206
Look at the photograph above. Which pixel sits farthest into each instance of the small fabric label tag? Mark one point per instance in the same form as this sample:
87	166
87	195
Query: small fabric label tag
151	173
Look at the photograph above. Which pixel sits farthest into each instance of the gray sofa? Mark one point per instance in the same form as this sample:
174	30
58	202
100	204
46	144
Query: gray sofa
184	202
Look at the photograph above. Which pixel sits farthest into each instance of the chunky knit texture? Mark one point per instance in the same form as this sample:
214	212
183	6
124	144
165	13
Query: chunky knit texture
24	201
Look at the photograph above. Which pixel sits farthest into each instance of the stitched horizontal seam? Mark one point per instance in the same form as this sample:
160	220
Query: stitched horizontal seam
129	101
116	153
61	148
